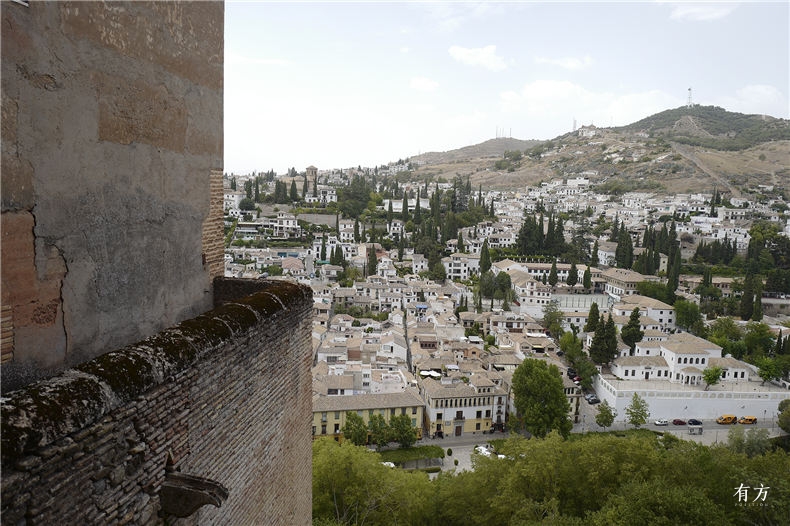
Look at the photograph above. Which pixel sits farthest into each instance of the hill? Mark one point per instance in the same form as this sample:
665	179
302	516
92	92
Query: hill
687	149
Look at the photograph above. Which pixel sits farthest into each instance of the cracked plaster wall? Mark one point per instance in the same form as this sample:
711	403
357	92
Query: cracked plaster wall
111	127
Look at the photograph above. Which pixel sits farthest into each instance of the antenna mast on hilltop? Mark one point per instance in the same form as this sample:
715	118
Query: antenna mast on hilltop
688	104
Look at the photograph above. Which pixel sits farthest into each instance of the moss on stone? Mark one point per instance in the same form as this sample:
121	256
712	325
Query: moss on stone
47	410
128	372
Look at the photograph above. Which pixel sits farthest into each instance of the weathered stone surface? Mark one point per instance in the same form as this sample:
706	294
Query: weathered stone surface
132	110
111	125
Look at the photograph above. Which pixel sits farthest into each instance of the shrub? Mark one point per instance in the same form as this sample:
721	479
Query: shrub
449	452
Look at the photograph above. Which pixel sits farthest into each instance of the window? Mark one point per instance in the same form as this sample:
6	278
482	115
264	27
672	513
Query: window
477	426
392	412
403	410
439	416
479	414
313	430
323	429
323	416
488	413
370	413
337	415
414	410
625	372
337	428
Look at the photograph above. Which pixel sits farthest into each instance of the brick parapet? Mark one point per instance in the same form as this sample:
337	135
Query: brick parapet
226	395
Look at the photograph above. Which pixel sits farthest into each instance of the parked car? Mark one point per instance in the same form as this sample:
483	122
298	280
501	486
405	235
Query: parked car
593	400
678	422
560	353
727	419
694	422
748	420
661	422
571	372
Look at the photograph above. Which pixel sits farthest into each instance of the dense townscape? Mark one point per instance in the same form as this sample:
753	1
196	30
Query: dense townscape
445	310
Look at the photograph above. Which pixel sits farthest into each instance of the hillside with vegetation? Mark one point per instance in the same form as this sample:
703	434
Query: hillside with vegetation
683	150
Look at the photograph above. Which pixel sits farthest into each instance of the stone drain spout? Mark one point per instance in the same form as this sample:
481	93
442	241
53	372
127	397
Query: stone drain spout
181	495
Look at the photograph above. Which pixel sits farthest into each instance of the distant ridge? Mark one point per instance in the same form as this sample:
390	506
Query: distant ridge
490	148
681	150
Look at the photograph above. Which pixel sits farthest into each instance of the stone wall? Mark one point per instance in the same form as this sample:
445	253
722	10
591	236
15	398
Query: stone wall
225	396
111	130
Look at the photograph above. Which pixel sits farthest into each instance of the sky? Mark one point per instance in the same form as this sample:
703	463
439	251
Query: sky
341	84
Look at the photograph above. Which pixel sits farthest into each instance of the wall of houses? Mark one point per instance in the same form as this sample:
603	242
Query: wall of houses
225	396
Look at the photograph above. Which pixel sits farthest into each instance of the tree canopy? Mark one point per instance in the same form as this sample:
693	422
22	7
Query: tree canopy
540	398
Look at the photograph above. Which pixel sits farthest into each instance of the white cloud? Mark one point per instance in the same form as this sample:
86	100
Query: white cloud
757	99
423	84
549	106
404	49
451	16
571	63
701	12
482	56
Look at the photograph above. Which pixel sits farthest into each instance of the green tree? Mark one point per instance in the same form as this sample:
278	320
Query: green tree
379	430
587	279
768	369
687	315
540	398
711	376
599	352
352	486
246	204
485	258
632	332
323	248
553	279
758	338
784	420
402	431
592	318
552	318
573	275
355	429
606	415
437	273
656	501
610	339
372	260
460	247
638	411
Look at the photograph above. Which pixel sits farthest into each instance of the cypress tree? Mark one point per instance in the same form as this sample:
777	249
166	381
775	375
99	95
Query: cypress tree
553	274
594	255
485	258
573	275
372	260
417	209
404	215
592	318
587	279
610	338
632	332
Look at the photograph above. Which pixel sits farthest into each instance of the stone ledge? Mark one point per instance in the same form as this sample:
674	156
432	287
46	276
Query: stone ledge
44	412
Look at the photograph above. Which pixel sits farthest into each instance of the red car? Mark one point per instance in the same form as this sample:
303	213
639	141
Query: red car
678	422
